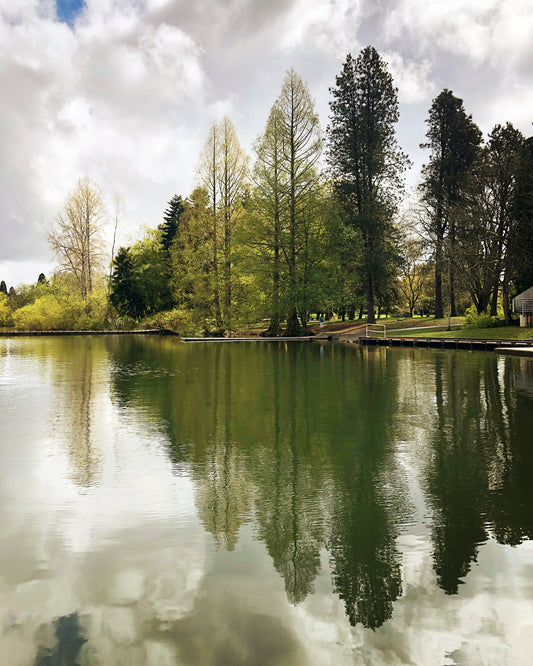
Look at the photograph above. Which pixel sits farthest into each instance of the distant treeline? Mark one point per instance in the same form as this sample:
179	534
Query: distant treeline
314	223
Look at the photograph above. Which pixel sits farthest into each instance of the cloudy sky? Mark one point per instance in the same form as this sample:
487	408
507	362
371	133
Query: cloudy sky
124	91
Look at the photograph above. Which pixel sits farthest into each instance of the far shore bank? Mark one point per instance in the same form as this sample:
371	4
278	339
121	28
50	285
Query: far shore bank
27	334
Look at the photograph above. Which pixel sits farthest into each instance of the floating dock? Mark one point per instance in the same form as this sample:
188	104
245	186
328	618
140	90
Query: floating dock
503	346
258	338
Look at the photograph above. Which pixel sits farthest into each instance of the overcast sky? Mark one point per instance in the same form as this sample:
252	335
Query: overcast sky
125	91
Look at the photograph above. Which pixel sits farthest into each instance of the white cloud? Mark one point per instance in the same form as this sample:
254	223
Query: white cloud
411	78
104	100
326	25
127	94
482	30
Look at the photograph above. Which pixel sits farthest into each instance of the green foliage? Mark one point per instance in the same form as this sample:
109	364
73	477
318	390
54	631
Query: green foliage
178	320
6	314
521	243
58	310
479	320
453	141
126	292
193	277
367	166
169	228
140	282
223	173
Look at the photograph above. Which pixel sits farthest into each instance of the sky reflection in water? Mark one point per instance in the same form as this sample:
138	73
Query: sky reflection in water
163	503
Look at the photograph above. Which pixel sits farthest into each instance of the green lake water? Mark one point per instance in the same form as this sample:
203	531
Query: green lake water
292	504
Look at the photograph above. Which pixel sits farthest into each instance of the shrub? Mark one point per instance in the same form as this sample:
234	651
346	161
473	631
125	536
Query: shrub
6	315
180	321
48	313
482	320
57	311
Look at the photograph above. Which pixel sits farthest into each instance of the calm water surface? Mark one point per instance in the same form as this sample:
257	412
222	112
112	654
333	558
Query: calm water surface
263	503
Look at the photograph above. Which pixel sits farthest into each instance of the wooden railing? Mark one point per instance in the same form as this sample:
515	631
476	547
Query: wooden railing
371	328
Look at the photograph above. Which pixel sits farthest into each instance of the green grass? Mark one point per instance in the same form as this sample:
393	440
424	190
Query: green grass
498	333
419	322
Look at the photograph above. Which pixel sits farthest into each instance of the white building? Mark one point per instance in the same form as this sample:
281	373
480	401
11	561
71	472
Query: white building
523	303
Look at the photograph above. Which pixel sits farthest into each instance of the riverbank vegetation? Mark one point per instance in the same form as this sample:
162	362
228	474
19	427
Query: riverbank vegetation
313	224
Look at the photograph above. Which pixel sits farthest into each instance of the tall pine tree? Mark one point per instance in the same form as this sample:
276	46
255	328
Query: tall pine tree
171	220
454	141
365	161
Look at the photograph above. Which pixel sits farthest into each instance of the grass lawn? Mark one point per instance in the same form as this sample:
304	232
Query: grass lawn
498	333
419	322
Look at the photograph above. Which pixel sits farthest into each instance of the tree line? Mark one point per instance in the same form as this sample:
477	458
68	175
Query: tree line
317	223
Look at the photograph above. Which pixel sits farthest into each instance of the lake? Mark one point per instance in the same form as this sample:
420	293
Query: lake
266	503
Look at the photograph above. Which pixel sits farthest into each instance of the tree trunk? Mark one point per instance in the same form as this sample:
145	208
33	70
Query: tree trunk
439	310
453	308
505	299
370	316
227	273
494	301
293	325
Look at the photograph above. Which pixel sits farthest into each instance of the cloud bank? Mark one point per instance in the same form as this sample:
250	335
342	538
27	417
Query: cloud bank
125	92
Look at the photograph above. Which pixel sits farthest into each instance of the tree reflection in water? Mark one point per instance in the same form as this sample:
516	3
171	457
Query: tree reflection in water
67	640
363	474
479	481
303	440
283	434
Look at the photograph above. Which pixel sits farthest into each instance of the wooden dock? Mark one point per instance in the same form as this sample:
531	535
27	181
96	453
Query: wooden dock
516	351
485	344
257	338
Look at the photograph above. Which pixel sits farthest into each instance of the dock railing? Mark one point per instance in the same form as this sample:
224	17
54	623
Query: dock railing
375	328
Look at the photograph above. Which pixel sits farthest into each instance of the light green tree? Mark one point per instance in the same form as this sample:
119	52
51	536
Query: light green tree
222	172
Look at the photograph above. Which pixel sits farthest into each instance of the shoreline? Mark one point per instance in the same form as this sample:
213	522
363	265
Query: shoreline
29	334
501	345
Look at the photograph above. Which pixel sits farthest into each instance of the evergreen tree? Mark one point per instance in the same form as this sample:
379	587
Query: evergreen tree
453	141
521	254
171	216
365	161
126	293
3	287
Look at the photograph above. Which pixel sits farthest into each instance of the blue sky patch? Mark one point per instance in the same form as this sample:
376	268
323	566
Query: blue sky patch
68	10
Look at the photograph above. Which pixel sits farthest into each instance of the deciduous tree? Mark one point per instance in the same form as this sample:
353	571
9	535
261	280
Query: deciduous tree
76	235
301	148
486	220
222	173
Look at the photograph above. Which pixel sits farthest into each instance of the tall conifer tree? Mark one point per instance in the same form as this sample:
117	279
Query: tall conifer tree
453	141
366	162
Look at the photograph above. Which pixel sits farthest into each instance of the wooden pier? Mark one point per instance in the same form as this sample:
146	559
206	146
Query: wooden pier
485	344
